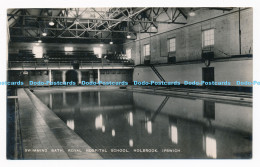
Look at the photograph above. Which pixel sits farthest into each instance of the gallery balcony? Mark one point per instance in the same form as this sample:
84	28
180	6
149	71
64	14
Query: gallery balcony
65	65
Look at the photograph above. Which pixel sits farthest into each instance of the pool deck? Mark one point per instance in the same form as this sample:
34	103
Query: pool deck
44	135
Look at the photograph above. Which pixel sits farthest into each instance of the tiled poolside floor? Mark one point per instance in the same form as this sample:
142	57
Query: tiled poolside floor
44	135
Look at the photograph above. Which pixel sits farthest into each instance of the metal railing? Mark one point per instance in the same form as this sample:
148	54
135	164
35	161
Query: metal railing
35	65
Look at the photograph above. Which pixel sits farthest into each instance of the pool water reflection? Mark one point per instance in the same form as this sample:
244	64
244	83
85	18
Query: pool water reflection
174	127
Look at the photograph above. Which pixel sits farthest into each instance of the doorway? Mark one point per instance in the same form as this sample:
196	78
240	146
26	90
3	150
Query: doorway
72	75
208	75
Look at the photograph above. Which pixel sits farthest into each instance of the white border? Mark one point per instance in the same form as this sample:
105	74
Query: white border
5	4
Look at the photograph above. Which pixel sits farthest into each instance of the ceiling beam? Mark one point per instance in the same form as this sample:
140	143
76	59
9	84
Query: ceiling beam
128	18
90	18
70	29
183	14
64	37
224	9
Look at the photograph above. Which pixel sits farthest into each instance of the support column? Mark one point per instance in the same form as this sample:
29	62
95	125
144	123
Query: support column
50	77
79	77
63	76
98	74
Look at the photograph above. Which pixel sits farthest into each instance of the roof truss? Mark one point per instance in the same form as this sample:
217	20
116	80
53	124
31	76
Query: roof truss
90	23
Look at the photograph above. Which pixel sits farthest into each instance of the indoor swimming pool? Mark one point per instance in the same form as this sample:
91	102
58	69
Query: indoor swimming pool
122	124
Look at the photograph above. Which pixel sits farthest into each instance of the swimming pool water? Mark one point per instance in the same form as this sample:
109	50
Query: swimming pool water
126	124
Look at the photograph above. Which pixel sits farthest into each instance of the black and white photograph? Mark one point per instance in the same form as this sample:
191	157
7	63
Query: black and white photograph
129	83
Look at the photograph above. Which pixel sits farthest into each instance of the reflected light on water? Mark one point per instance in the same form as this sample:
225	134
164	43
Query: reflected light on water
99	122
149	127
130	119
173	133
211	147
103	128
131	142
70	123
113	132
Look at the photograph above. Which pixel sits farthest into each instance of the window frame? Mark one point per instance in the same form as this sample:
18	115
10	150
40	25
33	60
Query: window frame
208	40
38	51
127	56
145	49
169	45
97	51
68	48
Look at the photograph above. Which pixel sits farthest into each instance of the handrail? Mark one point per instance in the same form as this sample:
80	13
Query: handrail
80	62
61	64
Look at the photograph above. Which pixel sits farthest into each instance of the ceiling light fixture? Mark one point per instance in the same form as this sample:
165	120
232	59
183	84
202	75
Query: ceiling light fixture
111	42
39	41
128	36
51	23
44	34
192	13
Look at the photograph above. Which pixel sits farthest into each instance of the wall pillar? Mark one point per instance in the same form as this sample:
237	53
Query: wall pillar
98	75
50	77
79	77
63	75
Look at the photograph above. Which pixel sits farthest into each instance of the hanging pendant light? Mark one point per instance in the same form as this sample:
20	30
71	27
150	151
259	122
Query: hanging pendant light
111	42
51	23
192	12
